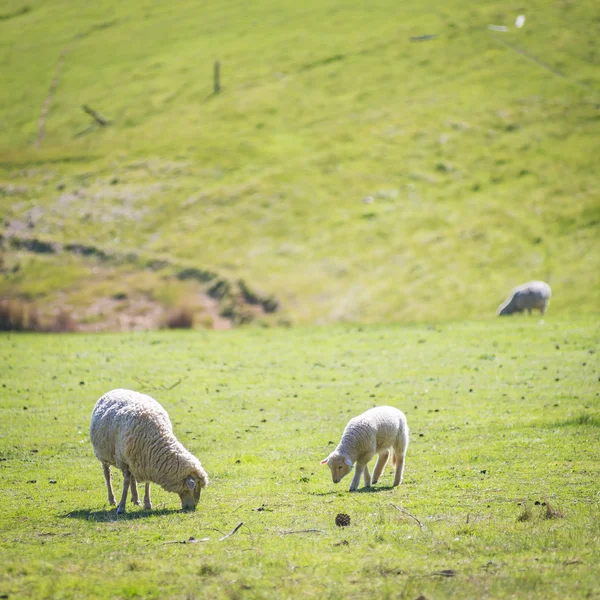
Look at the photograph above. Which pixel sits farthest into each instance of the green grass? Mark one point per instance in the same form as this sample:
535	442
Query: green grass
482	162
504	416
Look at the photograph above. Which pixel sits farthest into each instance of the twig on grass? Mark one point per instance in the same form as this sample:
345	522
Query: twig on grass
232	531
302	531
422	38
402	510
444	573
146	386
191	540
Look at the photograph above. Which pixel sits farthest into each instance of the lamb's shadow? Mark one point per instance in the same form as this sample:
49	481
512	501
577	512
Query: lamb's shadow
375	490
364	490
111	514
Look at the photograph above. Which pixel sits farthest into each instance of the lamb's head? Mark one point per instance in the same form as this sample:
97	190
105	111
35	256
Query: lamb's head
191	487
339	465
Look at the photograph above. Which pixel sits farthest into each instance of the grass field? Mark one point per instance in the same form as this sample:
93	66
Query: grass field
504	417
349	167
372	178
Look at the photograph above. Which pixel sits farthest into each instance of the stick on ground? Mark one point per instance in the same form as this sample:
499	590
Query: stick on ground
302	531
191	540
407	513
232	531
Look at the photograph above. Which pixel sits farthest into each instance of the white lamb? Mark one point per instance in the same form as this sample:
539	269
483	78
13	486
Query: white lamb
133	432
377	431
534	294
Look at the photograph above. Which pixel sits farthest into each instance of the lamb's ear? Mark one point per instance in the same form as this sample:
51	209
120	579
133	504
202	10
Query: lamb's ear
190	482
348	461
324	461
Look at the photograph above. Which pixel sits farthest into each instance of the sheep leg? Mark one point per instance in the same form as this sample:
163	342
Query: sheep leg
106	470
380	465
147	502
126	485
367	476
358	472
399	466
135	499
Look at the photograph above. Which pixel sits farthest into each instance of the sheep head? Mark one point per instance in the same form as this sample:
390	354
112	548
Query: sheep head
339	465
190	491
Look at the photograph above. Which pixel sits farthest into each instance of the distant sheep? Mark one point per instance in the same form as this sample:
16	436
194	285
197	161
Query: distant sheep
535	294
379	430
133	432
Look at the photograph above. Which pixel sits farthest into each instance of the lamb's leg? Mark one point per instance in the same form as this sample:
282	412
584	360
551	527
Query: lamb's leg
367	476
147	502
135	499
400	454
380	465
126	478
106	470
358	472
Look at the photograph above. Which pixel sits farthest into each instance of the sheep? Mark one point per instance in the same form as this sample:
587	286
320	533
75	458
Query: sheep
133	432
379	430
534	294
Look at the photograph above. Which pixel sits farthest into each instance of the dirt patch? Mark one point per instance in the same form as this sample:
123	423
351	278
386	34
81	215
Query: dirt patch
109	314
214	302
141	313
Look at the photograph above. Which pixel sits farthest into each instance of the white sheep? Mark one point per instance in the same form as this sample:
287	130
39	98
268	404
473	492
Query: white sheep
534	294
376	431
133	432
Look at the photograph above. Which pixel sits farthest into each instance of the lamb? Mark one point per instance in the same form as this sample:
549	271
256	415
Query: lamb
379	430
133	432
534	294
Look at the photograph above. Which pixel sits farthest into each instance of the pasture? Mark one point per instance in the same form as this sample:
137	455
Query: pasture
344	158
501	481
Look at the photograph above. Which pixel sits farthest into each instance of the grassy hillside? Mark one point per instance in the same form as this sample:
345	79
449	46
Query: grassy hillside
349	167
505	422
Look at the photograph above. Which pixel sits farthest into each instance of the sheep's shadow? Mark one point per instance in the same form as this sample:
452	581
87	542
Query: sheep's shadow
111	514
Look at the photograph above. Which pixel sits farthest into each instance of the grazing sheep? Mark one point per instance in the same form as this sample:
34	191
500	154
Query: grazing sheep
535	294
377	431
133	432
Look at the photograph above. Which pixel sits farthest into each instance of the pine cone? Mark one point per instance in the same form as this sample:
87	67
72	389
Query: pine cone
342	520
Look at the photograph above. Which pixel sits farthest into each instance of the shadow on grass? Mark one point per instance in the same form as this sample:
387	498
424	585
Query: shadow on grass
364	490
584	419
111	514
375	490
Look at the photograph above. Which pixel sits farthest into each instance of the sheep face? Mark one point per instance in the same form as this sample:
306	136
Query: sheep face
339	465
190	496
504	310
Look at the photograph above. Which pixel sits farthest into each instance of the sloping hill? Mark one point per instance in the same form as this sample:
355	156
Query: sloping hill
367	162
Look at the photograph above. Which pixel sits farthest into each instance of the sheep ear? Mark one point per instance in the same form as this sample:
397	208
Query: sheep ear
348	461
190	482
324	461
